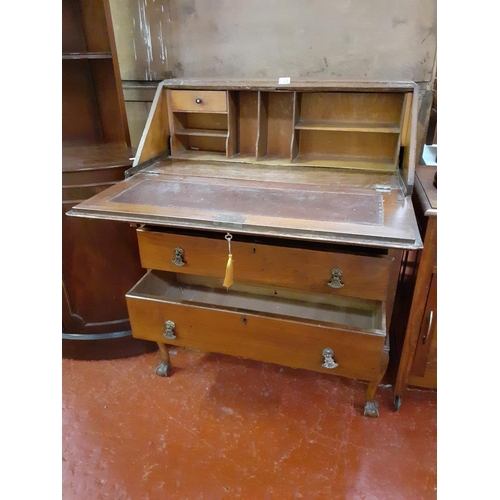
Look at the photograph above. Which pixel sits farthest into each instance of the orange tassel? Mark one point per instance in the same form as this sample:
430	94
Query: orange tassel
228	278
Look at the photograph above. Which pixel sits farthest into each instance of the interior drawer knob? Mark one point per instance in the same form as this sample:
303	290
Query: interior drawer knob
328	361
198	100
169	332
178	257
336	277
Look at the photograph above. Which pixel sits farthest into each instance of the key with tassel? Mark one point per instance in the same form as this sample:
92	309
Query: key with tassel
228	278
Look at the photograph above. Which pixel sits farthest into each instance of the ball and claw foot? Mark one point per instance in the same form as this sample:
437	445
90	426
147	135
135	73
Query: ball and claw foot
371	409
163	369
397	402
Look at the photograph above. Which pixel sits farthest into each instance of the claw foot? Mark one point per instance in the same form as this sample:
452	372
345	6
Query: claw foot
163	369
397	403
371	409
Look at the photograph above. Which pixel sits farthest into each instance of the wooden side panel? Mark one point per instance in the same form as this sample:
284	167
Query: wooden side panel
294	147
410	151
232	124
247	130
406	120
156	133
280	124
262	122
426	346
421	306
95	26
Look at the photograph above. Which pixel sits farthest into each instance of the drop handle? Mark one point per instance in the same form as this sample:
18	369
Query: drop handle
328	361
198	100
429	326
178	257
169	331
335	281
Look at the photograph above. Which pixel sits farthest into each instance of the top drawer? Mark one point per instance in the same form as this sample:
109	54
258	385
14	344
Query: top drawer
199	100
360	276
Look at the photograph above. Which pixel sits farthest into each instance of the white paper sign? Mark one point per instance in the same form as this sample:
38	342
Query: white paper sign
284	80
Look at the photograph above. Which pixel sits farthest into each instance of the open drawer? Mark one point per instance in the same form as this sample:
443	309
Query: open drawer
274	329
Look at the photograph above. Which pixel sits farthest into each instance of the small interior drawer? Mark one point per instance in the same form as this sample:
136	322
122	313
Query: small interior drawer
214	101
276	330
337	273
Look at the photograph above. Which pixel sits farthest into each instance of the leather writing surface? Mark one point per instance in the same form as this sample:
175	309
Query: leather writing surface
304	204
294	202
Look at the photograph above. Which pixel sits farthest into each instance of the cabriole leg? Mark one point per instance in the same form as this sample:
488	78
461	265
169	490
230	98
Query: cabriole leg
163	369
371	406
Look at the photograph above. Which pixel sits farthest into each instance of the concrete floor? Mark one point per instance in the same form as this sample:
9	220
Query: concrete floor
228	428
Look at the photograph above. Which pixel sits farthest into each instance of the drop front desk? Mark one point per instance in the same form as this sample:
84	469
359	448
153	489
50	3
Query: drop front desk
312	181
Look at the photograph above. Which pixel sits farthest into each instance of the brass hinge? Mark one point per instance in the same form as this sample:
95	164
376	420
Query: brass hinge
382	188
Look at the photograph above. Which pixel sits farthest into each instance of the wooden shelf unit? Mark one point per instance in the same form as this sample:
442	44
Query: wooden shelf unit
92	98
99	260
345	128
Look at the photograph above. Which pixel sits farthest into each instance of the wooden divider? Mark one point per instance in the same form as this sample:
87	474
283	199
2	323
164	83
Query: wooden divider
337	129
262	122
247	124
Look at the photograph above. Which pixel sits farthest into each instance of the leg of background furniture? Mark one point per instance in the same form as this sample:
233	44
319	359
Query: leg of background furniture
371	406
163	369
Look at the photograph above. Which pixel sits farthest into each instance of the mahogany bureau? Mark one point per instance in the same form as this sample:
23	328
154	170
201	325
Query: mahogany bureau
271	220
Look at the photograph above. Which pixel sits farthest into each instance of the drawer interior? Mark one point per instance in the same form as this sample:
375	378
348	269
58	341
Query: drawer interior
363	315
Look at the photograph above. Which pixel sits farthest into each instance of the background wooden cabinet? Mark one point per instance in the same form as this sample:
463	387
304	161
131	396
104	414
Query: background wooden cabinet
100	259
416	340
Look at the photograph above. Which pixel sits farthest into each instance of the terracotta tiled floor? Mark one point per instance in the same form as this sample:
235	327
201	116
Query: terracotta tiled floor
227	428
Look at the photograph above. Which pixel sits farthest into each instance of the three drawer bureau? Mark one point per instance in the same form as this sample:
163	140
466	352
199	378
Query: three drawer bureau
271	221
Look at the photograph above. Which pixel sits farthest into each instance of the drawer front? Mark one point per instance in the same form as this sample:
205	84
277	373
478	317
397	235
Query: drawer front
199	100
301	269
253	336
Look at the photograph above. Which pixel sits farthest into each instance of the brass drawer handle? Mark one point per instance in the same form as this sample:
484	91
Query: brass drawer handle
169	332
178	257
336	277
328	361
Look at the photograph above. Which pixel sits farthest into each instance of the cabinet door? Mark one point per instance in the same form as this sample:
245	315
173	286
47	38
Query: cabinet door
425	360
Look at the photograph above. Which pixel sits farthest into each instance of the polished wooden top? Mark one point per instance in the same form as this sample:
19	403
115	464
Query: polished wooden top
302	84
89	155
425	189
333	205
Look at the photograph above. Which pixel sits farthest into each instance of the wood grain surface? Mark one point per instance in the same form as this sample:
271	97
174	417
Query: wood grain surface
137	200
212	321
354	39
292	267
